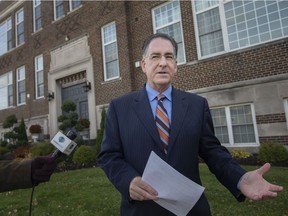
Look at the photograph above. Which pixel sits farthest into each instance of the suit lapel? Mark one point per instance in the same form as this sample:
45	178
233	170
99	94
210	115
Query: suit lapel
179	109
143	110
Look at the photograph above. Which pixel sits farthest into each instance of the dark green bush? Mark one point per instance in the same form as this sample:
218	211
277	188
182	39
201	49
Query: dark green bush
272	153
84	155
10	121
3	150
22	134
79	141
100	132
3	143
43	148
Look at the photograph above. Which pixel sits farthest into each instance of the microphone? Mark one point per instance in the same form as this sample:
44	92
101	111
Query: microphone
64	143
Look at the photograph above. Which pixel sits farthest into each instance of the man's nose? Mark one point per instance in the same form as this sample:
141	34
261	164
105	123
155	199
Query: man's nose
163	61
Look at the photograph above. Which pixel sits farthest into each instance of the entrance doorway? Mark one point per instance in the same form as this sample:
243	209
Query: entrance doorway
77	94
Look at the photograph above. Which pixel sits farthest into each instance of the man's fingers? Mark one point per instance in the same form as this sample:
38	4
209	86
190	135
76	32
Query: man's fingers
265	168
140	190
275	188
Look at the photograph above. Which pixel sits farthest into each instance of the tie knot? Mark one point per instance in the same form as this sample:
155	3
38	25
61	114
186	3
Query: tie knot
161	97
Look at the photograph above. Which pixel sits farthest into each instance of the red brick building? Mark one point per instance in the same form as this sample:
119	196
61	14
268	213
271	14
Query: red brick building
234	53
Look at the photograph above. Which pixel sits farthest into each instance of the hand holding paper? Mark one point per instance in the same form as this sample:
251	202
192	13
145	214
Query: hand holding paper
176	192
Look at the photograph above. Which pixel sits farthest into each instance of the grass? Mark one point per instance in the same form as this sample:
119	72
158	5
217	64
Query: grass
87	192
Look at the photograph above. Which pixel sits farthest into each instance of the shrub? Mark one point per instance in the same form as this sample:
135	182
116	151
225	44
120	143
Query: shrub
100	133
10	121
240	154
79	141
43	148
3	143
84	155
22	134
69	118
272	153
3	150
22	151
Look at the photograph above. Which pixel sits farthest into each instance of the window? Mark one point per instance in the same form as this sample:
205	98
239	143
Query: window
19	19
37	15
39	76
6	91
110	52
223	26
58	9
286	110
167	19
74	4
21	90
235	125
5	36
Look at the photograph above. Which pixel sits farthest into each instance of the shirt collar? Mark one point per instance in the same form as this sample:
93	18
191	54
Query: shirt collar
152	93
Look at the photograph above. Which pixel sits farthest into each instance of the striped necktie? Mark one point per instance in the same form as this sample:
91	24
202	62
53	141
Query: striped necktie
162	122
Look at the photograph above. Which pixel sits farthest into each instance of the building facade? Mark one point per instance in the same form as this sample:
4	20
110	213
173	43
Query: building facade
234	53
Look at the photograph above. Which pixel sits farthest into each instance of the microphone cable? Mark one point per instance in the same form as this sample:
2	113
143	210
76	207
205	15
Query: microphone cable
57	153
31	200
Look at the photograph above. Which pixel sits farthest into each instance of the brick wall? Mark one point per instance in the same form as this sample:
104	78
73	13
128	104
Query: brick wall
133	23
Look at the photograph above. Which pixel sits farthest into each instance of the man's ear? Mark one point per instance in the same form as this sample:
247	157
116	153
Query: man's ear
143	65
176	67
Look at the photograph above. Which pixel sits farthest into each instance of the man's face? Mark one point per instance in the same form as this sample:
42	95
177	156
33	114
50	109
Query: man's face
159	64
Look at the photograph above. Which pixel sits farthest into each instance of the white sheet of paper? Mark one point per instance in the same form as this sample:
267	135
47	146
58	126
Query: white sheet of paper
176	192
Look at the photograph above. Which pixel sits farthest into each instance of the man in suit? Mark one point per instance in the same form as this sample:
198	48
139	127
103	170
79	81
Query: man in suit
131	134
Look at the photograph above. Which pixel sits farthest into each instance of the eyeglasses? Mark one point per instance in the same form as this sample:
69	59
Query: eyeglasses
158	57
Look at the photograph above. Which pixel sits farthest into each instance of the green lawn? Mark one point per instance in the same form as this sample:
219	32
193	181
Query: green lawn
87	192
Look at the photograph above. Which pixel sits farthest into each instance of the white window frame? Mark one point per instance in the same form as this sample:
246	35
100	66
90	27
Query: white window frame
37	4
55	11
21	78
286	110
17	23
230	126
38	70
6	82
104	44
250	39
71	5
156	29
7	27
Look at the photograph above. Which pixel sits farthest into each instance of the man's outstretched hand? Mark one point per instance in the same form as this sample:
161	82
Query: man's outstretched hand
42	168
255	187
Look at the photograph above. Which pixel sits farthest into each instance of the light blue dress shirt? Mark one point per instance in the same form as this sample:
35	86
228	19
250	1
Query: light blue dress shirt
167	103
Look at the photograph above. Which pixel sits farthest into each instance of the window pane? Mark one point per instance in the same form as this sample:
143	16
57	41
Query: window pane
112	69
39	76
37	15
6	91
167	19
242	124
220	124
21	90
265	16
110	52
210	32
20	27
175	32
59	8
200	5
3	38
75	4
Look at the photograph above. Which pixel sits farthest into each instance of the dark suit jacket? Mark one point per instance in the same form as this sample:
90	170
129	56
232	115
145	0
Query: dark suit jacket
15	174
131	134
